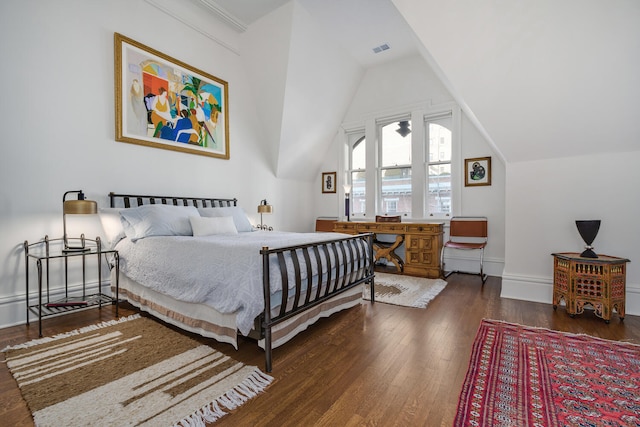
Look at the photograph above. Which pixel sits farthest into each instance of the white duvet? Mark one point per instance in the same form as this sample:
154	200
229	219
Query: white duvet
222	271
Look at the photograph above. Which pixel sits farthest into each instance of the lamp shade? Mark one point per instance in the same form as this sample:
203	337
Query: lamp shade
264	207
74	207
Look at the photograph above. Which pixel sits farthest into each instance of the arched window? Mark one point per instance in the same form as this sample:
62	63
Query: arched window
357	174
438	164
403	164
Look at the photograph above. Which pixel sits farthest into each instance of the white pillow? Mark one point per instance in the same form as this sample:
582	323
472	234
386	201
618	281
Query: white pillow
203	226
157	220
239	216
112	226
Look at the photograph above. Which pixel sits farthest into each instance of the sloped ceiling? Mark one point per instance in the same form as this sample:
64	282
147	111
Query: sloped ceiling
303	86
305	59
545	78
541	79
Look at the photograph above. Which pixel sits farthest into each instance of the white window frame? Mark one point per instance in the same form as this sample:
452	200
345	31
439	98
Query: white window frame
380	207
418	114
351	137
434	118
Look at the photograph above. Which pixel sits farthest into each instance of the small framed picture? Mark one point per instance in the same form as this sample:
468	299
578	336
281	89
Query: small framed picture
477	171
328	182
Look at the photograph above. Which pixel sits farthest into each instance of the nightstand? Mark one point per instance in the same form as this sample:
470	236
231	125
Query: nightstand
599	282
46	250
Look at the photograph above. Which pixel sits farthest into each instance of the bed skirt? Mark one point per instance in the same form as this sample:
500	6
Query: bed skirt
209	322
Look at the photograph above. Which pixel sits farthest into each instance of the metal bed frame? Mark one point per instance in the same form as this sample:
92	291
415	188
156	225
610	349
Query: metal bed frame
357	249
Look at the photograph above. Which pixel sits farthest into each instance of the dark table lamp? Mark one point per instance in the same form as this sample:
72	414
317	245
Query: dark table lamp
74	207
347	190
588	230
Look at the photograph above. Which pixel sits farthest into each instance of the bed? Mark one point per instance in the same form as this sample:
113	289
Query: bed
197	263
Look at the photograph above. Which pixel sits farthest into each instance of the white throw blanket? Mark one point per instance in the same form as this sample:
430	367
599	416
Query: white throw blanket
221	271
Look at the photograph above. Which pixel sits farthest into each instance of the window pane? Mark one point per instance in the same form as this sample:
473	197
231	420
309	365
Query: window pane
439	143
396	190
439	193
396	148
358	155
358	193
358	182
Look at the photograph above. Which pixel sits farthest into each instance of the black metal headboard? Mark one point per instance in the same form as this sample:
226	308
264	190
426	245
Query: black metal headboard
129	200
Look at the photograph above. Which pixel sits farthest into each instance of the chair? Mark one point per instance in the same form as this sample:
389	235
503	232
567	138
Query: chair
325	224
467	233
385	249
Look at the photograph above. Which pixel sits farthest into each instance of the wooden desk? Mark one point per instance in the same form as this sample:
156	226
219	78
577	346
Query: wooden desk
600	282
423	242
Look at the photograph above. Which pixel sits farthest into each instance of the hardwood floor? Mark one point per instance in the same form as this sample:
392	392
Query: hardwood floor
371	365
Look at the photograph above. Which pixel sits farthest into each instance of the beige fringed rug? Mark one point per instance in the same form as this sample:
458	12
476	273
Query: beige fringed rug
404	290
133	371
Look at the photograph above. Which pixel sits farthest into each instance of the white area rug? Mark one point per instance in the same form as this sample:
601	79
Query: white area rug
404	290
132	371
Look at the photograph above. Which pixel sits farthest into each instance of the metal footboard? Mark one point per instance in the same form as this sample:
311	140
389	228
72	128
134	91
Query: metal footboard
343	264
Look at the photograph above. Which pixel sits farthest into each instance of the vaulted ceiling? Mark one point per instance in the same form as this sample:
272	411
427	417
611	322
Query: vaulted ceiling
541	79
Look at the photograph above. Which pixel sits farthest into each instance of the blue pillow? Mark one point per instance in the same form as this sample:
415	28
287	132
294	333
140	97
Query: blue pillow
239	216
157	220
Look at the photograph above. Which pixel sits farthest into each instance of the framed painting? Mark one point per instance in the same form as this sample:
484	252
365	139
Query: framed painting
328	182
164	103
477	171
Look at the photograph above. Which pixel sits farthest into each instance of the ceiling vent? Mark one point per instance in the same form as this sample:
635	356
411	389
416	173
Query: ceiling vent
380	48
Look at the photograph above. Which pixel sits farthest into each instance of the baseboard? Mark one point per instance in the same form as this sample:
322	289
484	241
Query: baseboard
13	309
540	289
527	288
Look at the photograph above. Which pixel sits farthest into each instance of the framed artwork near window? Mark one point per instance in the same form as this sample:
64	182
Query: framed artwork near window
477	171
328	182
164	103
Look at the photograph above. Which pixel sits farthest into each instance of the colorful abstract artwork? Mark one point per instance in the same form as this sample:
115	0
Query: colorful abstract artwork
164	103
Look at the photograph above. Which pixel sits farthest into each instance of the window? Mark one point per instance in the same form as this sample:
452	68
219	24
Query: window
438	197
403	164
357	169
395	167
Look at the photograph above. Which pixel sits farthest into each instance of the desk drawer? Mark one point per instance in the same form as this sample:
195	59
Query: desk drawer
390	228
345	227
424	228
366	227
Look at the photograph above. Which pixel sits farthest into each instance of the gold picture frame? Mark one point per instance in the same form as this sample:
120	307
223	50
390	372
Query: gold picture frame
164	103
477	171
329	182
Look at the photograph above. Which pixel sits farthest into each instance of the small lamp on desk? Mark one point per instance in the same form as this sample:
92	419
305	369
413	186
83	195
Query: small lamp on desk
73	207
264	208
347	190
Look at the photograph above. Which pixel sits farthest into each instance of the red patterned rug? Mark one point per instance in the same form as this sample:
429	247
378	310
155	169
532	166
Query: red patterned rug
524	376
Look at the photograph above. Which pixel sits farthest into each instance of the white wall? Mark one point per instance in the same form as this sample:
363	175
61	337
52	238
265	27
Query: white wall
544	198
303	82
508	63
58	111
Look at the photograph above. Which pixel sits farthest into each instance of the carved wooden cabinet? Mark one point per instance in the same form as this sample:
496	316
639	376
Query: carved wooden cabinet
599	282
423	242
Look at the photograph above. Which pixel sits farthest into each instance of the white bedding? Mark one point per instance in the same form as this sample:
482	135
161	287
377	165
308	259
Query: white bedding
221	271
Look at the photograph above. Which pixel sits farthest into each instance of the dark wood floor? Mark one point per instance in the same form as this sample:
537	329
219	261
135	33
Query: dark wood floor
371	365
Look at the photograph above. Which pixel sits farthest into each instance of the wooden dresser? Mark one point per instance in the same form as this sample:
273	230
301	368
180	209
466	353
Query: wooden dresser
599	282
423	242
